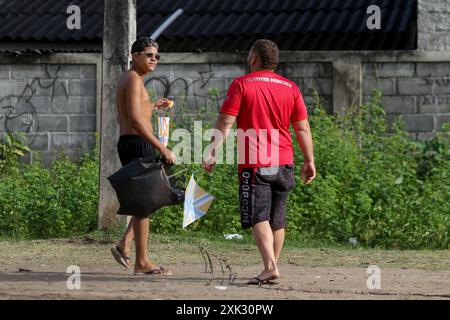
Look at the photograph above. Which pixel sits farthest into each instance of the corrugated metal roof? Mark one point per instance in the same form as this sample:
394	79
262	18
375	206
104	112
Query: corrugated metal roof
224	25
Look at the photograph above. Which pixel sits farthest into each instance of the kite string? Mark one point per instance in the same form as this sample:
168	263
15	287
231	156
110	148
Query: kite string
177	173
208	263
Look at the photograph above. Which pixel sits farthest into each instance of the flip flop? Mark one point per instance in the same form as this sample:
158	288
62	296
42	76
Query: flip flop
120	258
258	281
156	271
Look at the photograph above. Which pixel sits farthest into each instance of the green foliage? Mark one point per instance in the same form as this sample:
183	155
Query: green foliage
371	184
11	150
58	201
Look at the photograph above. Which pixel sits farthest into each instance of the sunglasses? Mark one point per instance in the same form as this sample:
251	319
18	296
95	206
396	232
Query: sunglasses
151	55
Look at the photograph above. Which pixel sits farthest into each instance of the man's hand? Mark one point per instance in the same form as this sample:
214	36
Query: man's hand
209	163
163	103
169	156
308	172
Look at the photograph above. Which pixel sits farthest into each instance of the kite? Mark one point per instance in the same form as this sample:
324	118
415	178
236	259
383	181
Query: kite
196	202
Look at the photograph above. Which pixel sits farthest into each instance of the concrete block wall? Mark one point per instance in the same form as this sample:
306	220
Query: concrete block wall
54	104
419	91
433	24
311	77
58	104
189	83
193	82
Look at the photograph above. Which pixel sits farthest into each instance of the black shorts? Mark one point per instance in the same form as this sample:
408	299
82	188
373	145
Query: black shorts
132	147
263	194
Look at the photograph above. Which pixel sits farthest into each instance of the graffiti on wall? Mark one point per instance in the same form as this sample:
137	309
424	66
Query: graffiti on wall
196	88
311	80
438	82
442	83
435	100
19	111
204	91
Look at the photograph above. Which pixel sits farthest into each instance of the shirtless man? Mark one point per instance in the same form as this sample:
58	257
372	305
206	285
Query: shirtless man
138	141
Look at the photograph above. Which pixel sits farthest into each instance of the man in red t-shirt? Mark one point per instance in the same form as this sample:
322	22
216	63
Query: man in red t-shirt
264	105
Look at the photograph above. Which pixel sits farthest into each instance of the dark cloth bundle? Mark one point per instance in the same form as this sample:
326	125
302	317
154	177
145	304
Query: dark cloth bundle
143	187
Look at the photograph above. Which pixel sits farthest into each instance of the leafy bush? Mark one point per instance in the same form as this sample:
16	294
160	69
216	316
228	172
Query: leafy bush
57	201
371	184
11	150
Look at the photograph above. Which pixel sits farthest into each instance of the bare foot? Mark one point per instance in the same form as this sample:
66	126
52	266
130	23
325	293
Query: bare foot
269	275
265	277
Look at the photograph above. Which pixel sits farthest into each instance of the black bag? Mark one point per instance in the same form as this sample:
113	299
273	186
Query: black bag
143	187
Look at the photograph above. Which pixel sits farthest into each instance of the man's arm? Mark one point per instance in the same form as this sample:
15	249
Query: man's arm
223	125
138	122
304	138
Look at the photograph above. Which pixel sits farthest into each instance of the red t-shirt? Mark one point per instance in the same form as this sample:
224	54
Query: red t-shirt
265	105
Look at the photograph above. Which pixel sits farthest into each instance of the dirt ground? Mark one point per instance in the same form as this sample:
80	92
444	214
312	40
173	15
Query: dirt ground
38	270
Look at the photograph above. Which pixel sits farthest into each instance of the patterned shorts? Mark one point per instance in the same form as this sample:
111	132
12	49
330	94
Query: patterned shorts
263	194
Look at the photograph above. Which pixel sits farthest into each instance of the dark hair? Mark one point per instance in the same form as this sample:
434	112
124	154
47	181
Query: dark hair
268	52
142	43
